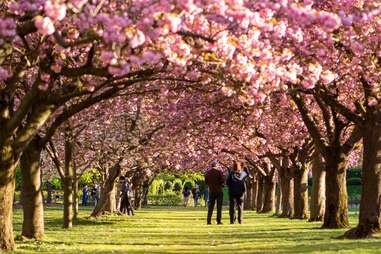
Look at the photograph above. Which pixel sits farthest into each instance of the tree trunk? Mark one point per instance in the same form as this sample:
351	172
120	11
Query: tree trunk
260	195
68	184
287	189
107	202
254	194
31	192
336	207
318	189
248	198
75	194
268	195
8	164
278	202
370	205
301	193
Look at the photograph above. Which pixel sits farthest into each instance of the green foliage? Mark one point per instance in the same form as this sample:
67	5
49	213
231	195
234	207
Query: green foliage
354	172
156	187
168	186
177	185
56	183
165	200
89	177
354	181
18	178
189	183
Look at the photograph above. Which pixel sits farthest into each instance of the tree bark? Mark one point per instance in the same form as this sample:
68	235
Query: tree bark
370	205
260	195
336	209
318	189
254	194
7	187
278	202
287	189
301	192
68	182
31	192
248	199
268	195
107	202
75	194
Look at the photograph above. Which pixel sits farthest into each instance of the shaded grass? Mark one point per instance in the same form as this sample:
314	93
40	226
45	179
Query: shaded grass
183	230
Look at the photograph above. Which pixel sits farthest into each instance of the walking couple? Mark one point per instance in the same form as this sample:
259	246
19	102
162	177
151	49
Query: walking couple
235	182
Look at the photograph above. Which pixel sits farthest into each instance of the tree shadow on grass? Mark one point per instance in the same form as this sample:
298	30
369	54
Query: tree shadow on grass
54	223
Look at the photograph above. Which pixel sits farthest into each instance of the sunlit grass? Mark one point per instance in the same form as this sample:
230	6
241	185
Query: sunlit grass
184	230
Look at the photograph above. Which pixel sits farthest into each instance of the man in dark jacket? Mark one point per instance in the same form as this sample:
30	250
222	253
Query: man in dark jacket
236	185
215	180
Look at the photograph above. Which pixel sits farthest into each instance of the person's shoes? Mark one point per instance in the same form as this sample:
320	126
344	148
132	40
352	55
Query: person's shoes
232	222
240	222
208	223
219	223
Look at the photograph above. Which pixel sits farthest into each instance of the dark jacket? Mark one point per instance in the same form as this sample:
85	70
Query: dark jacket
214	179
236	182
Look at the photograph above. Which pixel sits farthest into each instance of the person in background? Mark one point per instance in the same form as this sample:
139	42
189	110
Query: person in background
196	195
129	198
236	184
215	181
206	196
122	194
49	189
85	190
95	194
186	194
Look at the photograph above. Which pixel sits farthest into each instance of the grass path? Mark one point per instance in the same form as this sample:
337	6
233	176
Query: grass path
180	230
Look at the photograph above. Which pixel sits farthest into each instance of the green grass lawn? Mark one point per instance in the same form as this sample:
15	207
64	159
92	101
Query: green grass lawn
183	230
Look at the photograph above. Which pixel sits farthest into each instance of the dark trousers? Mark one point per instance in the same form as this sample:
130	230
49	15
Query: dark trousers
125	205
213	197
235	201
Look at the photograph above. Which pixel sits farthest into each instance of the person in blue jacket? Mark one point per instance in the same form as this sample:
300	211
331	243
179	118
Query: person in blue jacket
236	186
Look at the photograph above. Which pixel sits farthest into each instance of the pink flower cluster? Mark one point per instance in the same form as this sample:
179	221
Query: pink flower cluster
7	28
4	74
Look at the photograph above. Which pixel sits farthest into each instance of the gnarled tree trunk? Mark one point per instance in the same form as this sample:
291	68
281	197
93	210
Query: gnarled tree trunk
260	194
107	202
248	199
370	206
254	193
301	192
31	192
8	165
287	188
336	210
278	202
268	195
318	189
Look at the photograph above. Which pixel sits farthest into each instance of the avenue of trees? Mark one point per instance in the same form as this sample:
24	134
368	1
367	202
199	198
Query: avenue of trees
139	87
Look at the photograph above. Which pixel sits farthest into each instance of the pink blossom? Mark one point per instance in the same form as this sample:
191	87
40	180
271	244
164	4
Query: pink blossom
107	57
173	22
372	101
55	11
308	84
44	26
45	77
327	77
136	39
78	4
4	74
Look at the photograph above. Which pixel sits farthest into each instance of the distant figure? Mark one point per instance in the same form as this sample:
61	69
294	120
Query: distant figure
186	194
215	180
95	193
85	191
196	195
125	193
236	185
49	189
206	196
